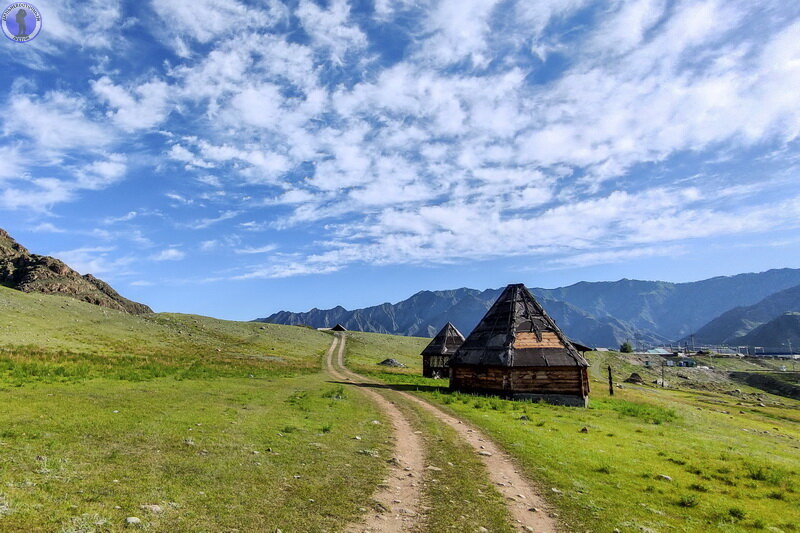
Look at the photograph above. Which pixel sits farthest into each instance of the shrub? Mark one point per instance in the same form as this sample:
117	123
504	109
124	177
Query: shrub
737	513
688	500
626	347
760	472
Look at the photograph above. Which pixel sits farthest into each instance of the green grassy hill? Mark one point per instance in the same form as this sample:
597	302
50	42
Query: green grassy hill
57	338
223	425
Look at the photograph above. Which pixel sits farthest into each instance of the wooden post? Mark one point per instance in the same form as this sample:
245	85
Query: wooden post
663	365
610	382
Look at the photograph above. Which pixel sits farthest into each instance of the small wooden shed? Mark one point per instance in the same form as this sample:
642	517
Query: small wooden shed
436	356
338	327
518	351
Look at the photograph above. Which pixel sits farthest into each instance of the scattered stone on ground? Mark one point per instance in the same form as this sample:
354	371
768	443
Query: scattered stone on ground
133	521
153	508
663	477
392	362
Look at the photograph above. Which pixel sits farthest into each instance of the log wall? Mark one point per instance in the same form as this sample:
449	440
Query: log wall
556	380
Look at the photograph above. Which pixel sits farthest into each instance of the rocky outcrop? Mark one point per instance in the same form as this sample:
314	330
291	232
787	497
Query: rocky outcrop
27	272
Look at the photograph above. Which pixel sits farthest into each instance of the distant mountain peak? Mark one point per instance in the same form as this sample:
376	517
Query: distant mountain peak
604	313
27	272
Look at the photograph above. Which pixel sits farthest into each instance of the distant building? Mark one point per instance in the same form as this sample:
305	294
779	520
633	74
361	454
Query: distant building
517	350
436	356
338	327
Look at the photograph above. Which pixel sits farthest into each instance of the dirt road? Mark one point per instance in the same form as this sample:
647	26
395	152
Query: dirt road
525	504
399	497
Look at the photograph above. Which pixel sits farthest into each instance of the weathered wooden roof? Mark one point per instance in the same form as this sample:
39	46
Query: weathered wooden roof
517	332
338	327
446	342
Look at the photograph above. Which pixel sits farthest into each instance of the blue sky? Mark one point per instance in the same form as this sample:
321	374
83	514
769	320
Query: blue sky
236	158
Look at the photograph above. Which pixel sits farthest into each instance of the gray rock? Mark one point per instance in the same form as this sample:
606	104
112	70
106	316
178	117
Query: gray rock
392	362
133	521
663	477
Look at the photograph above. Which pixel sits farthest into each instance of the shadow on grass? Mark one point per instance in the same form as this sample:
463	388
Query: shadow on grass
395	386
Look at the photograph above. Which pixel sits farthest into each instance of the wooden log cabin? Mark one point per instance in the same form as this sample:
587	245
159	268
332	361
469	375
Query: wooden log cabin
518	351
436	356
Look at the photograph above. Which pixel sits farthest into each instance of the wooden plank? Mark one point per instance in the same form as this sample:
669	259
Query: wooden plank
529	340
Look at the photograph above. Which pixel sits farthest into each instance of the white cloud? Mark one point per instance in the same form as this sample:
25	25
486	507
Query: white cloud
100	174
48	227
56	122
618	256
36	194
257	250
205	20
143	107
204	223
499	122
169	254
331	28
95	260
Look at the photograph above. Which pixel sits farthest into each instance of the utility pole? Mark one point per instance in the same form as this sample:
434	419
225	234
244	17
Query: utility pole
610	382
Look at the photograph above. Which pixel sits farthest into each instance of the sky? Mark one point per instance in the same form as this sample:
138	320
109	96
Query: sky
235	158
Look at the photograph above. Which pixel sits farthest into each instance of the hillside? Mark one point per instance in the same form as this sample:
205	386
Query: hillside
185	422
775	335
27	272
58	336
594	313
740	321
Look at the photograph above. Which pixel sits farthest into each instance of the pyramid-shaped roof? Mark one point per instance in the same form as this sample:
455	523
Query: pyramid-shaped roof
517	332
338	327
446	342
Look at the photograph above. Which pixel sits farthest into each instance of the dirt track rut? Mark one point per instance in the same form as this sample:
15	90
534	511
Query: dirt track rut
399	497
525	504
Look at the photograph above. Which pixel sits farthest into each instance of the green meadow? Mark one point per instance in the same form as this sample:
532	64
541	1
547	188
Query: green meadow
195	424
646	458
223	426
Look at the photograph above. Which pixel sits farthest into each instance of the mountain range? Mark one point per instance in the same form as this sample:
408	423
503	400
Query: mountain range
593	313
27	272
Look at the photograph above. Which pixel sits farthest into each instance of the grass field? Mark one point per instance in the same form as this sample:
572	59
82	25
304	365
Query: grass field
225	426
366	350
728	467
231	426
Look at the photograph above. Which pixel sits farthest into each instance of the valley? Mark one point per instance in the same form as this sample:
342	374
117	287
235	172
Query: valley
176	419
